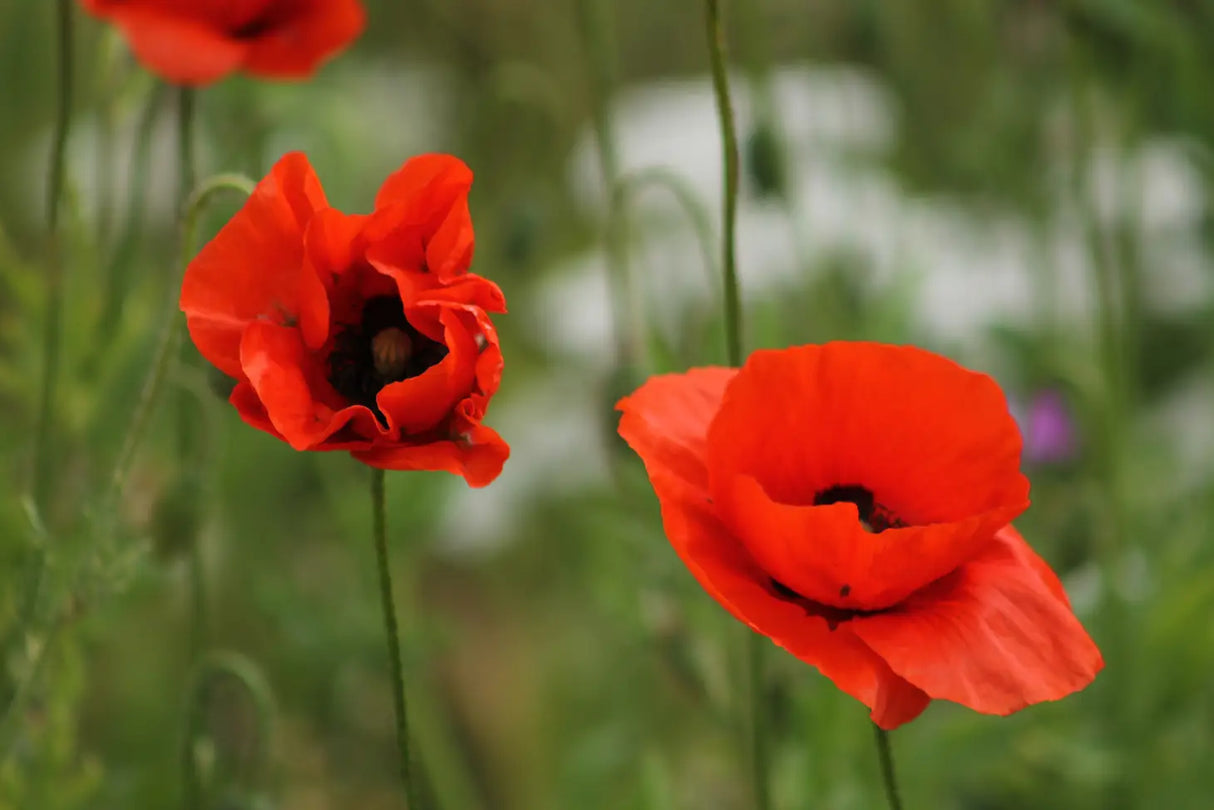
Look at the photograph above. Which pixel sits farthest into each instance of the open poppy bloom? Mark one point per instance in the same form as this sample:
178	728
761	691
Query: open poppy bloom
852	502
195	42
363	333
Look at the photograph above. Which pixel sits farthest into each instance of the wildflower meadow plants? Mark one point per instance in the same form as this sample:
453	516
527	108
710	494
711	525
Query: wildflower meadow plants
767	547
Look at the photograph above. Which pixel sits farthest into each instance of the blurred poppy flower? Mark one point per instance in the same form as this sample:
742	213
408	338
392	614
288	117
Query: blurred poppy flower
363	333
852	501
195	42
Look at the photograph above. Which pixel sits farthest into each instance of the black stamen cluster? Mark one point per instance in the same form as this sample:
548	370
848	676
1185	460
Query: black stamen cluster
352	369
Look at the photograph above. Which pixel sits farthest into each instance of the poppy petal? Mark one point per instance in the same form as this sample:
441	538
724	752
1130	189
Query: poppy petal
666	419
478	456
449	250
244	398
254	267
180	49
418	404
933	443
333	247
425	184
291	389
665	422
993	636
305	37
825	554
722	567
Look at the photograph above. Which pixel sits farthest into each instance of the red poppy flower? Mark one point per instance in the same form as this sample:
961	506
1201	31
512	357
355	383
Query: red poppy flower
363	333
198	41
852	502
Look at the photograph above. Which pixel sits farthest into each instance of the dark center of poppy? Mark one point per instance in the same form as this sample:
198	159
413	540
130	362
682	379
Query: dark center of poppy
874	517
268	18
834	616
382	348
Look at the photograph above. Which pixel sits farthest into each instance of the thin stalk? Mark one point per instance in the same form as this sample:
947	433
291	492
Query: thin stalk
169	339
211	669
185	142
886	758
759	754
755	644
628	321
187	437
170	334
51	338
23	691
729	138
200	630
392	633
117	268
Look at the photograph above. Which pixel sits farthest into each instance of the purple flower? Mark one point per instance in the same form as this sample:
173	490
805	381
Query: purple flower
1049	429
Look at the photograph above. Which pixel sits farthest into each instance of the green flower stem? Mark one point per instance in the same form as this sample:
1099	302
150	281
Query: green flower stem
170	334
117	268
756	647
43	452
210	669
632	184
886	758
42	473
629	187
392	632
185	141
729	138
755	643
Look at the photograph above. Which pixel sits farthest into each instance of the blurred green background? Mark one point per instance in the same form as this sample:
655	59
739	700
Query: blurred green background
1024	186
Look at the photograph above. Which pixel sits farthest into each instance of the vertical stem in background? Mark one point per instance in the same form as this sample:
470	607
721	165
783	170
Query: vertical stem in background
170	333
628	320
729	138
887	768
43	452
755	644
185	143
393	636
190	463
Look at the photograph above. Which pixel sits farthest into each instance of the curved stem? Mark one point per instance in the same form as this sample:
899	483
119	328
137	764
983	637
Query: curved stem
43	453
185	141
392	632
211	669
729	138
887	768
697	213
170	334
628	322
629	187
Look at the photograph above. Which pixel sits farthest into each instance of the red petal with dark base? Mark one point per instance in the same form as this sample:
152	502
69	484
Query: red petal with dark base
959	608
254	268
665	422
285	300
933	443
